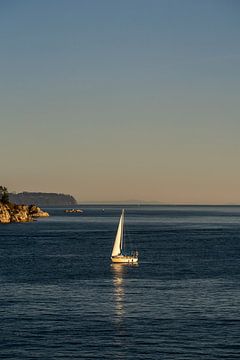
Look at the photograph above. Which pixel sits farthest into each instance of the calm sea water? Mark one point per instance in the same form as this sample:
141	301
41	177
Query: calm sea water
60	298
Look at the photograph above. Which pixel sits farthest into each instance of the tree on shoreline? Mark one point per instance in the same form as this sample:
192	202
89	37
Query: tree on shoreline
4	194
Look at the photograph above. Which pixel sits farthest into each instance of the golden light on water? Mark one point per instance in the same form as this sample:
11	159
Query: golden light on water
119	292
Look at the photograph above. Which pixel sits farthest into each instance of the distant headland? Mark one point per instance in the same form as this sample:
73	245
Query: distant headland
42	199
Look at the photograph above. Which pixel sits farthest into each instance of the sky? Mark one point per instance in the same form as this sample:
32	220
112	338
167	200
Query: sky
121	100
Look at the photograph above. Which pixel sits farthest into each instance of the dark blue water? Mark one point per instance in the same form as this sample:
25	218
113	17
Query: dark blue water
60	298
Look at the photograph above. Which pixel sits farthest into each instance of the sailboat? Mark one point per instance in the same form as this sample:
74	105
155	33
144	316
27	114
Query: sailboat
117	252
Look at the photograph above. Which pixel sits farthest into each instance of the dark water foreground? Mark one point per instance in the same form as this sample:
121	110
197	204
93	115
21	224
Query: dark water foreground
60	298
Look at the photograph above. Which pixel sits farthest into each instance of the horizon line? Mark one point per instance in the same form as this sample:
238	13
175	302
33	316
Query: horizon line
139	203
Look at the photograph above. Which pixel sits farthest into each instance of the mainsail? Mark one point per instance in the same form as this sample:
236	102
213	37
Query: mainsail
117	247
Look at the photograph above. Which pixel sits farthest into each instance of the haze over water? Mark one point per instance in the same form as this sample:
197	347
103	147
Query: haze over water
121	100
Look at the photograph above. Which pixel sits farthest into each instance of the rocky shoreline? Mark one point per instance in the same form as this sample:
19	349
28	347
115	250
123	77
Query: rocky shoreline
19	213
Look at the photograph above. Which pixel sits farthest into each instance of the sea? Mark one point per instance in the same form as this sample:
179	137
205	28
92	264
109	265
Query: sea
61	298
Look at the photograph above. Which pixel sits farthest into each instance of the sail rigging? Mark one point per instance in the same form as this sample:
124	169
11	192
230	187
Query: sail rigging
117	252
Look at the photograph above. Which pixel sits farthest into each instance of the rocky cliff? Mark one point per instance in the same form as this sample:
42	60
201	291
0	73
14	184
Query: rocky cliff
19	213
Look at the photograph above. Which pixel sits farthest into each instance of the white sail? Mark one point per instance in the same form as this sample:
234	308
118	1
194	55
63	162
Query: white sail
117	247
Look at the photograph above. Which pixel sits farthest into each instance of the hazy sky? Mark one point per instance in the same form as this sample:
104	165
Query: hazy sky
121	99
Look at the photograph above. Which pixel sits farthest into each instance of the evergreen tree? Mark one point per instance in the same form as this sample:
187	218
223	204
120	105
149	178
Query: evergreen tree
4	194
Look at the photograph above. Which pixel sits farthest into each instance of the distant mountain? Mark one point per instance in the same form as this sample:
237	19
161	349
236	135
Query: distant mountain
42	199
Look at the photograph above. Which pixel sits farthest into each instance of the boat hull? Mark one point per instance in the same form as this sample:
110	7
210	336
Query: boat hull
124	259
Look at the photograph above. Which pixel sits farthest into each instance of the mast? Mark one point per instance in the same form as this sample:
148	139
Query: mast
122	232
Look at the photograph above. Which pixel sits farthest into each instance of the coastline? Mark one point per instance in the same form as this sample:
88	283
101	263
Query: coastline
10	213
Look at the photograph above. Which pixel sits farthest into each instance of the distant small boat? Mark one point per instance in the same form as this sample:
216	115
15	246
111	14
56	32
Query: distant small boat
117	251
73	211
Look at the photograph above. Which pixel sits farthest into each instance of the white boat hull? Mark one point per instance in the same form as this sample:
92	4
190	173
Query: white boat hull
124	259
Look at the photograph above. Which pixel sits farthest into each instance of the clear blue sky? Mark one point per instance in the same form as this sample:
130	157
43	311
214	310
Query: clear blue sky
121	100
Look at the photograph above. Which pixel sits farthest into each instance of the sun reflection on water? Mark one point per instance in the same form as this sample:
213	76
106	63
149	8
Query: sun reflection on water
119	291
